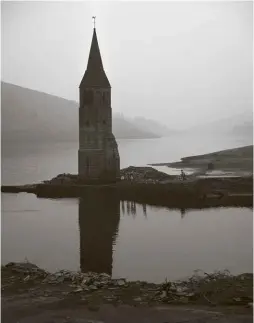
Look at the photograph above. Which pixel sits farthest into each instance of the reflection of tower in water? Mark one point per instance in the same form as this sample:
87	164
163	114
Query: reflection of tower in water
99	214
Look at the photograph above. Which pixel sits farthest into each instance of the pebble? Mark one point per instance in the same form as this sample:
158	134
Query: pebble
163	294
65	293
26	278
237	299
121	282
138	299
93	287
109	298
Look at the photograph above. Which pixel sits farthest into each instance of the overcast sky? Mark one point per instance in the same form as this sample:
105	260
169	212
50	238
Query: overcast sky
180	63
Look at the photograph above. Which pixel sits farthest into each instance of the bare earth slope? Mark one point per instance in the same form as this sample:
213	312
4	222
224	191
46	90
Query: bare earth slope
230	159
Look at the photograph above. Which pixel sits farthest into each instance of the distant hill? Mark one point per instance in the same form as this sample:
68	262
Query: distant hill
241	152
246	128
240	125
126	129
32	116
152	125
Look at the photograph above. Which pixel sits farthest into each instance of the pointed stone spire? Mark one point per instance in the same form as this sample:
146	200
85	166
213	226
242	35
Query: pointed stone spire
95	75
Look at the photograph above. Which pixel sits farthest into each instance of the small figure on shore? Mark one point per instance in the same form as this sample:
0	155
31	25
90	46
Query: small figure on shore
123	207
210	166
183	175
182	210
133	208
128	207
144	209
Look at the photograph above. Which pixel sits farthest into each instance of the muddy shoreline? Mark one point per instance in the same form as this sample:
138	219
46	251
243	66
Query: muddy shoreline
199	193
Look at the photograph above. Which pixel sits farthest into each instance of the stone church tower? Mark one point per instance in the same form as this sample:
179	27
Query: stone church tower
98	157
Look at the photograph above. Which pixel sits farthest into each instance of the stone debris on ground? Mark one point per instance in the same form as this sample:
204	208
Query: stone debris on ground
83	281
26	268
62	179
78	280
131	173
144	175
212	289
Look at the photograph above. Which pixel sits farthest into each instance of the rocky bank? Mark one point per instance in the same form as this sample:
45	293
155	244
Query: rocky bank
219	288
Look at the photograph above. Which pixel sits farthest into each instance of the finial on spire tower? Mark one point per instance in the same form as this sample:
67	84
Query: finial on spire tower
94	17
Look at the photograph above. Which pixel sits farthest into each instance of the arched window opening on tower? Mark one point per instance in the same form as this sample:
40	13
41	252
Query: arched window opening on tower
104	122
88	97
108	97
87	123
98	97
104	97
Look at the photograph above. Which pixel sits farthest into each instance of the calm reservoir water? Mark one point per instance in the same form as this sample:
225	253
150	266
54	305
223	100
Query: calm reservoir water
124	239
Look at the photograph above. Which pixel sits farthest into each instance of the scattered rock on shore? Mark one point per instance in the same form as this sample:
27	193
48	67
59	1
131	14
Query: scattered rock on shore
137	174
63	179
209	289
26	268
143	174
